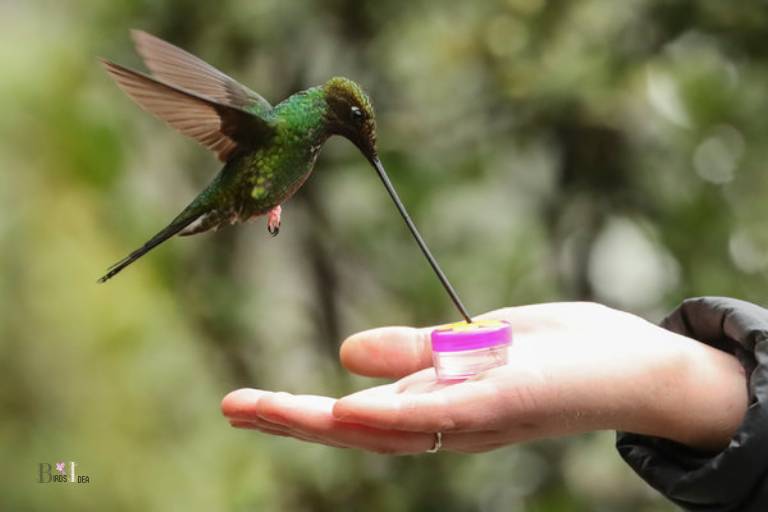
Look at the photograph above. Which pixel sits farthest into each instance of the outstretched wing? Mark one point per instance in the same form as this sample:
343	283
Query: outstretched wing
221	128
179	67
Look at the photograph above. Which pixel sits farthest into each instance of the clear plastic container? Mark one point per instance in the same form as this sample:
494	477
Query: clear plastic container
462	350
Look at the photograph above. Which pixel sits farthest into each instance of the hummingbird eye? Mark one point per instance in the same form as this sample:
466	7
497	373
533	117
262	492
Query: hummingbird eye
357	114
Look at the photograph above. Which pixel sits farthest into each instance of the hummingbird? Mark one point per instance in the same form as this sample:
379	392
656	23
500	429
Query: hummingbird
268	152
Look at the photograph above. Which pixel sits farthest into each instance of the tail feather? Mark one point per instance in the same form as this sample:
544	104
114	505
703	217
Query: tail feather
173	228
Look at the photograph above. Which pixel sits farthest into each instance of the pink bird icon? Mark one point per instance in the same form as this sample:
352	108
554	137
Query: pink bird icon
60	467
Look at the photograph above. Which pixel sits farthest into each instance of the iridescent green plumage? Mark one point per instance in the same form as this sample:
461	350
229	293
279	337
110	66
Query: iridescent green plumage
254	182
268	152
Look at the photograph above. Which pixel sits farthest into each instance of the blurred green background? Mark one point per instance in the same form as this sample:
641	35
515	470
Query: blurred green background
548	150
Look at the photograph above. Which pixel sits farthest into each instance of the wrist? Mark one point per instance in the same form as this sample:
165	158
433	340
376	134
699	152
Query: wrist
697	397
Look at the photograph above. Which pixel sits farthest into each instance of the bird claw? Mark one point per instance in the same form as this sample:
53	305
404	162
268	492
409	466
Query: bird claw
273	221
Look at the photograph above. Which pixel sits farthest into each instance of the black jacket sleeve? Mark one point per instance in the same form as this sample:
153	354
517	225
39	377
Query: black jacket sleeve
735	479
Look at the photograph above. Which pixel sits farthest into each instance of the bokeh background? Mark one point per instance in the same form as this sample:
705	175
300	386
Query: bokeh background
548	149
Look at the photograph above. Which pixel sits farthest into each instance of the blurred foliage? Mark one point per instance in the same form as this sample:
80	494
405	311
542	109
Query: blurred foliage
549	150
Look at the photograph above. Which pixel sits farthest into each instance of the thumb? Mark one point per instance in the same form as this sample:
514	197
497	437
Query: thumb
394	352
391	352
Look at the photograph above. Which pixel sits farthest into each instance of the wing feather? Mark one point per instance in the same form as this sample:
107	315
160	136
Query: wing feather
179	67
219	127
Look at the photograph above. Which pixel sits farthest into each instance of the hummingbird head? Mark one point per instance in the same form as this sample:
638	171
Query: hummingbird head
350	114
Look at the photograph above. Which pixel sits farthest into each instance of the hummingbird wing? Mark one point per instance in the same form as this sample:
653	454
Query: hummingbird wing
219	127
179	67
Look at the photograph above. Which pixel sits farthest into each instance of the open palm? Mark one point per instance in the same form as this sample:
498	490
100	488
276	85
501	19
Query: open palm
574	367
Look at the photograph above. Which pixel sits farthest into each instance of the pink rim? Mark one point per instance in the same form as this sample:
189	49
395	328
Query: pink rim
462	336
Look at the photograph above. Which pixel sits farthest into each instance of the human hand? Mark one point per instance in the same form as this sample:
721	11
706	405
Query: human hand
573	368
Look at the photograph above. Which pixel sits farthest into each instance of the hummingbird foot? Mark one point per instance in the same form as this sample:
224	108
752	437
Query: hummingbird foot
273	220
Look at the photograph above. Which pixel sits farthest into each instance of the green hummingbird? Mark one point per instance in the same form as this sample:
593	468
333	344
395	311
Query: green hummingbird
268	152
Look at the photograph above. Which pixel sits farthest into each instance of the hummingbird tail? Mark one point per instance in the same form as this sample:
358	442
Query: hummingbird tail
178	224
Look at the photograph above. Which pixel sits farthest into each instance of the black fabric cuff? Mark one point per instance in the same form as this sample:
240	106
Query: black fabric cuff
735	479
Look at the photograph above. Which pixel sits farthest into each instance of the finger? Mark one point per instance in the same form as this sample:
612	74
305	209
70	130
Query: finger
278	430
468	406
242	403
474	442
312	417
252	425
390	352
259	424
241	406
393	352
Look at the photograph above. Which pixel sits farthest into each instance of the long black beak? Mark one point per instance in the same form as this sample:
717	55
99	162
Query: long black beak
415	232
